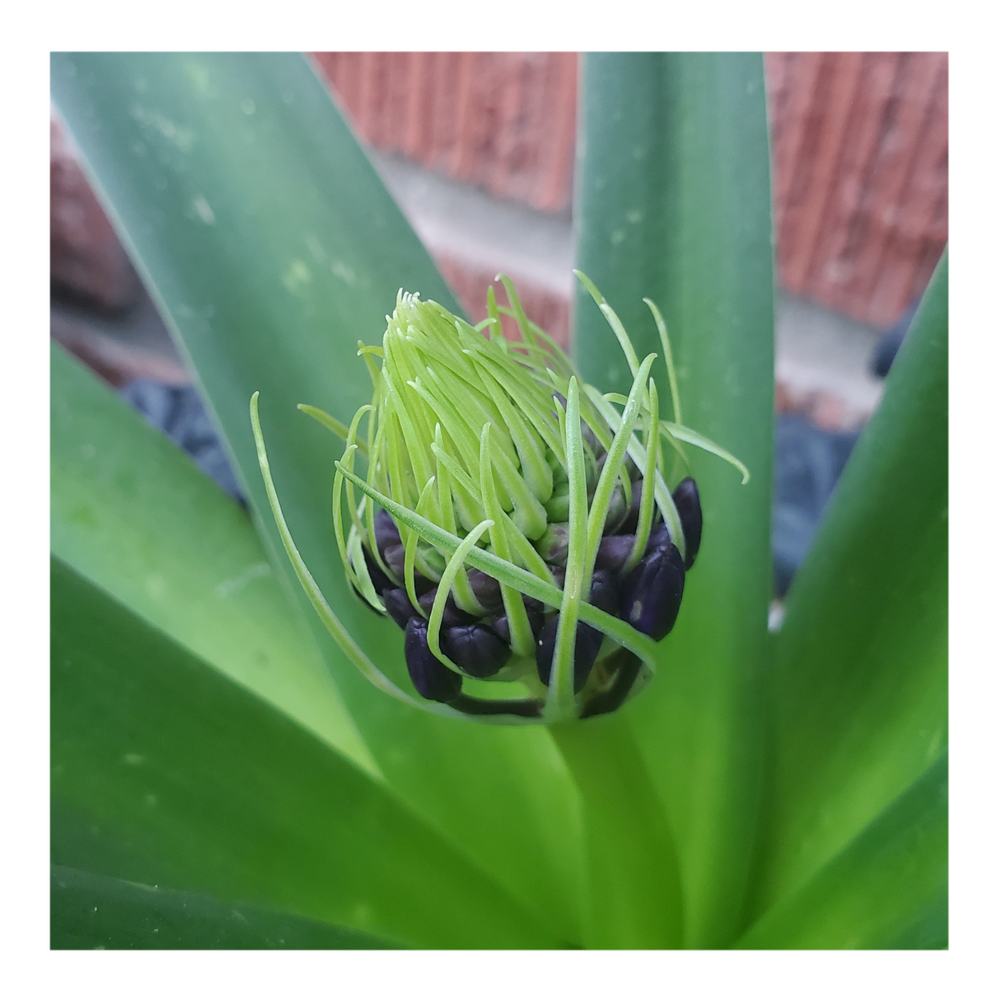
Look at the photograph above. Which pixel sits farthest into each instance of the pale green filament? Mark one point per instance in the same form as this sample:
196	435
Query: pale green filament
662	495
410	543
560	702
700	441
649	472
440	598
522	642
612	466
464	596
332	424
338	510
613	321
668	357
352	440
527	335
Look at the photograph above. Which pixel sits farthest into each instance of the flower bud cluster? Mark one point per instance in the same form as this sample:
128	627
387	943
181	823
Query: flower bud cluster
513	522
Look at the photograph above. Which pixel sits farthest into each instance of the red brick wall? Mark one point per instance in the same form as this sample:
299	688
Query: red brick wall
860	151
85	258
503	121
860	176
860	166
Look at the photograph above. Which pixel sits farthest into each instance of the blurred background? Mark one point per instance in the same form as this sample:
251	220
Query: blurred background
478	149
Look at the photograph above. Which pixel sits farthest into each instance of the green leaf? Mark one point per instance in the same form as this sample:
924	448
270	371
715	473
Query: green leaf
210	790
928	928
131	512
673	204
92	911
271	247
886	889
860	680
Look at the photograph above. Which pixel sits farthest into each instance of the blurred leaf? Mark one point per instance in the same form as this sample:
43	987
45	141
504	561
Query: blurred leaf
673	203
860	681
886	889
222	795
928	929
91	911
133	513
271	247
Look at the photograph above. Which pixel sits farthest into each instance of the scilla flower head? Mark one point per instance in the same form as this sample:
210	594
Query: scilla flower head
515	523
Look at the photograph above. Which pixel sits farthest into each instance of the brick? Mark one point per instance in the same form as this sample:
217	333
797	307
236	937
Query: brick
86	258
860	176
502	121
785	398
112	358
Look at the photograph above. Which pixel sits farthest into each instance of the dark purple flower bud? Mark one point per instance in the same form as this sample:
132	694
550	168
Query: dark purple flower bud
603	595
659	536
486	590
477	649
613	551
453	615
535	620
604	591
618	510
588	645
394	556
688	504
531	604
623	667
398	606
651	594
524	708
432	679
386	532
631	519
502	628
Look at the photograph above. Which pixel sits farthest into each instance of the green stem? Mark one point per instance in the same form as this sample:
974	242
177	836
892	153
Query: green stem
634	893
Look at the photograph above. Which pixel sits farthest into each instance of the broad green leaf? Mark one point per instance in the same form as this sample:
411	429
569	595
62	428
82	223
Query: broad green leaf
211	790
860	680
134	514
887	888
93	911
673	204
271	247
